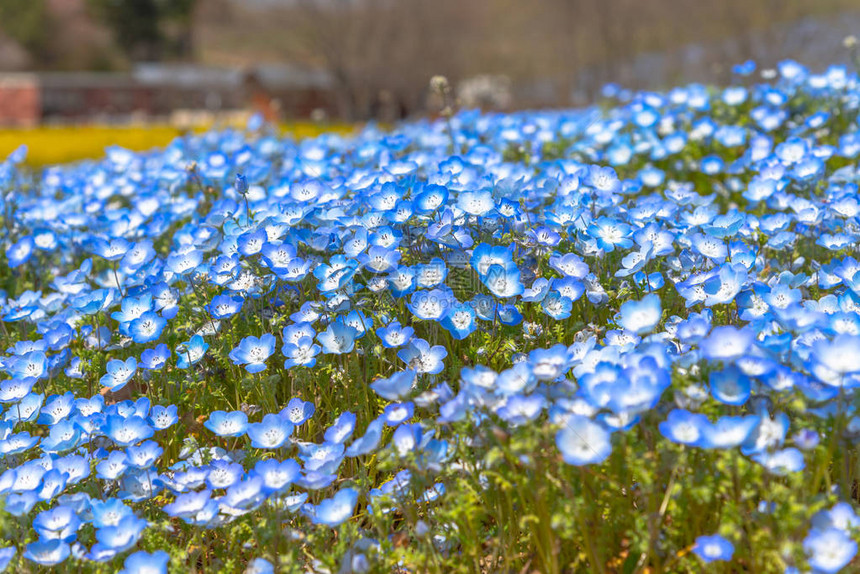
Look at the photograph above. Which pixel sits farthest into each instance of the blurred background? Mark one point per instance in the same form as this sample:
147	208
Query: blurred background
188	63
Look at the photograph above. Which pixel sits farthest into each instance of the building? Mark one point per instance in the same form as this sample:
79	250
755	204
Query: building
157	91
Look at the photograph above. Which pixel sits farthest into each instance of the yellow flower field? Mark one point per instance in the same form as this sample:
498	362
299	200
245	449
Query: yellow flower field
52	145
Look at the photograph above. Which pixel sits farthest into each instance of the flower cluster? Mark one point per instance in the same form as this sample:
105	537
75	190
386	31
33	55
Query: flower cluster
616	339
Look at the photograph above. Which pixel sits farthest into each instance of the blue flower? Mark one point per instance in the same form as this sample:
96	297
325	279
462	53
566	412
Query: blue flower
20	252
829	550
191	351
60	523
253	352
127	431
154	359
47	552
684	427
273	432
421	358
460	321
394	334
302	353
335	510
713	548
641	316
395	387
727	343
146	563
298	411
227	424
583	441
147	327
119	373
224	306
341	429
610	233
338	338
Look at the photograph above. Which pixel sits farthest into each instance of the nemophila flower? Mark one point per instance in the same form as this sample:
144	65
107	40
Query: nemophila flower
396	413
260	566
277	475
137	255
549	364
781	462
33	364
341	429
829	550
114	466
832	360
147	327
165	300
338	338
144	455
188	505
252	352
610	234
154	359
379	259
459	320
521	409
191	351
641	316
728	432
17	443
13	390
162	417
298	411
226	424
251	242
183	261
730	386
369	441
395	387
127	431
478	203
394	334
583	441
302	353
122	536
727	343
603	179
146	563
111	249
273	432
26	410
431	274
713	548
557	306
119	373
224	474
337	509
60	523
20	252
64	436
132	308
47	552
420	357
683	427
503	281
431	305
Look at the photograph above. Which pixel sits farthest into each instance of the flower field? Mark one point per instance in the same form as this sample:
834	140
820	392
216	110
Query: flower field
623	339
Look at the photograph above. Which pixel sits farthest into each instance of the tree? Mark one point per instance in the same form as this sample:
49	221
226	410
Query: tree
148	30
28	23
